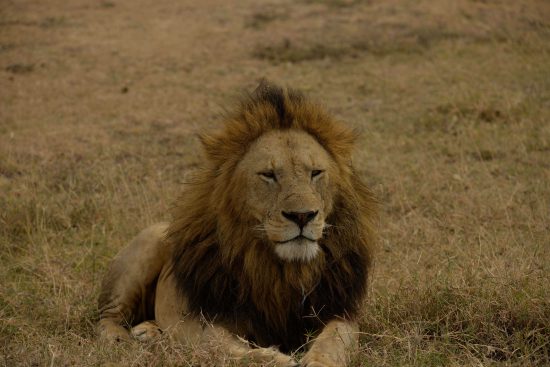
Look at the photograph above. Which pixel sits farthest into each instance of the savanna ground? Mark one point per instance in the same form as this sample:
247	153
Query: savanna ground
101	101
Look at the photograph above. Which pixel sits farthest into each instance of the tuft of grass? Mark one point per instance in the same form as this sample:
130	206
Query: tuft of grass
335	3
261	18
382	41
289	51
482	322
52	22
20	68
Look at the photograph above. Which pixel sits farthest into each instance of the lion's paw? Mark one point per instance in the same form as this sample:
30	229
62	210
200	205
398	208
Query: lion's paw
313	364
112	332
313	359
272	355
147	330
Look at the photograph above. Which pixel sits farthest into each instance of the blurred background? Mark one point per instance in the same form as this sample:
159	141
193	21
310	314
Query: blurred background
101	101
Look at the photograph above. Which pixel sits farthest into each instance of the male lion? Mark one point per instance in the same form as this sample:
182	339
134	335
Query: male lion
270	243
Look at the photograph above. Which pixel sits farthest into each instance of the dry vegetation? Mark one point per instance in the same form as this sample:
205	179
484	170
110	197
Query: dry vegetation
100	103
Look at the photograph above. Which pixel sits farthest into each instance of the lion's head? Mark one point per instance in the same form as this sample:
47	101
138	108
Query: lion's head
276	218
286	178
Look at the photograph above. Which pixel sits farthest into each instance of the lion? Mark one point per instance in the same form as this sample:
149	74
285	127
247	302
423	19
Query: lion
269	247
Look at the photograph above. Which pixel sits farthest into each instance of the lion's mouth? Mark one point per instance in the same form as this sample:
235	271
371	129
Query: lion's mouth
300	248
297	238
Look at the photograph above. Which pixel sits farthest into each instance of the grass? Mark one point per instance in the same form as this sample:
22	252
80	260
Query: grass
98	129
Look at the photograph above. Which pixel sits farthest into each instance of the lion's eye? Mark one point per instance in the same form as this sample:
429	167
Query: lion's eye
268	175
316	173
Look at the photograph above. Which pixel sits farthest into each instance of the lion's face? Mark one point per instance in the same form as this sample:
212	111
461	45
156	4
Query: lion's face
289	192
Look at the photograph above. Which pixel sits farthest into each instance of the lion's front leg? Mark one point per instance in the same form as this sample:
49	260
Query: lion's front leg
219	341
218	345
333	346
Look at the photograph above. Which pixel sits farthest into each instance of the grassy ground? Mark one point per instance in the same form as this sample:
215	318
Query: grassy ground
100	103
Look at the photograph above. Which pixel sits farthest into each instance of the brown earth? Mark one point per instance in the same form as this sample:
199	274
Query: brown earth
100	103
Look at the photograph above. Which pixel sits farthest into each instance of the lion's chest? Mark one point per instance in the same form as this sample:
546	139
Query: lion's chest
285	319
287	325
271	313
288	321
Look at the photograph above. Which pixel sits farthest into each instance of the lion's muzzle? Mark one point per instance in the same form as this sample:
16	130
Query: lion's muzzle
300	218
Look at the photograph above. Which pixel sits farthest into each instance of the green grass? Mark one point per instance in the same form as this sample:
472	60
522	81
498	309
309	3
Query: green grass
451	98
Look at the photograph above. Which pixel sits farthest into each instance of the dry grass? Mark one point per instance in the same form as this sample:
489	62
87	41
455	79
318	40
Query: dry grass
100	103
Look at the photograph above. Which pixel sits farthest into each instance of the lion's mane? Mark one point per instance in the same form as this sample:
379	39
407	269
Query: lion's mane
222	267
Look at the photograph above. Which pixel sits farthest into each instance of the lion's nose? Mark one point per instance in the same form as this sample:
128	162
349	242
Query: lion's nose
300	218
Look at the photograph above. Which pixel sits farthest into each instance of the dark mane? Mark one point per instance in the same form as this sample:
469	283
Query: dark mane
272	95
229	275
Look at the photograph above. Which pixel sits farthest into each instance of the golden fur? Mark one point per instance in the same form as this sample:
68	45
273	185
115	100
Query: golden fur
217	267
